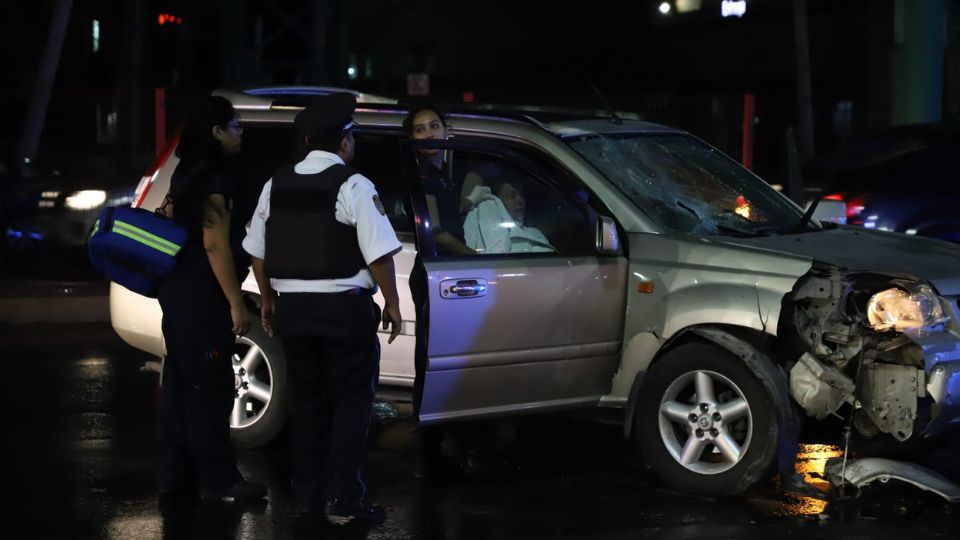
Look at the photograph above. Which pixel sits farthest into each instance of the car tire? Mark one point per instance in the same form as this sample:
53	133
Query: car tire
723	457
260	374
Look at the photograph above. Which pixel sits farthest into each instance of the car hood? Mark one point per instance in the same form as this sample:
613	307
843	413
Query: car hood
879	252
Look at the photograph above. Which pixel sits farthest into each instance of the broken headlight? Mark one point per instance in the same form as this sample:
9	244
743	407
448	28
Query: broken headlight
900	310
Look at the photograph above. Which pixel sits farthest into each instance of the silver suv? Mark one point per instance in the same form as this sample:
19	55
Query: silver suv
633	267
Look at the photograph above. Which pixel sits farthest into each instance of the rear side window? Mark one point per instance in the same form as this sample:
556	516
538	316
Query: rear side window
378	157
267	147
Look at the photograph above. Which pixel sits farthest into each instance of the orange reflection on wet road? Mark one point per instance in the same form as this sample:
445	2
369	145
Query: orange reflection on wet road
811	462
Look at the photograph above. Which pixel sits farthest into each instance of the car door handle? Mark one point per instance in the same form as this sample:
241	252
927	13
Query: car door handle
463	288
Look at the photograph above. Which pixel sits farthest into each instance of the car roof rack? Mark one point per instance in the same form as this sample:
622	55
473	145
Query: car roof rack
297	97
544	114
275	97
545	117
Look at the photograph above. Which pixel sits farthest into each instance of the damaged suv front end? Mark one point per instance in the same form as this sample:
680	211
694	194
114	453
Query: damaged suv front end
887	346
728	274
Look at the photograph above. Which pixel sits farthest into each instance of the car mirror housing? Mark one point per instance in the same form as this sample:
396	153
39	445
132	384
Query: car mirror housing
608	239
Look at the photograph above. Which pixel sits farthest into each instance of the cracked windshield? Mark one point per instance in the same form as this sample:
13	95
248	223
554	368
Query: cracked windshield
688	187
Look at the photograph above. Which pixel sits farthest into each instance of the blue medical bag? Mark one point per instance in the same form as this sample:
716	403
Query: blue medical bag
135	247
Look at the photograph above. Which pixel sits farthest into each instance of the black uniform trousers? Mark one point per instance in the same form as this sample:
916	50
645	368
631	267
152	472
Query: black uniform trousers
198	395
333	361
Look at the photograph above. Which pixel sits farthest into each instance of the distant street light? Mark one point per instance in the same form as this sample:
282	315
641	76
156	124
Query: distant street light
733	8
687	6
665	8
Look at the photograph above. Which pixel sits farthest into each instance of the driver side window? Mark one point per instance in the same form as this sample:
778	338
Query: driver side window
492	206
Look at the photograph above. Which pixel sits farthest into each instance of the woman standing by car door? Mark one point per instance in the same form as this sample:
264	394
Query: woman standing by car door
446	204
203	311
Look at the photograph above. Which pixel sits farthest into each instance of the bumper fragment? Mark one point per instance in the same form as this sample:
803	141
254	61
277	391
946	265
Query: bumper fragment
868	470
941	352
943	385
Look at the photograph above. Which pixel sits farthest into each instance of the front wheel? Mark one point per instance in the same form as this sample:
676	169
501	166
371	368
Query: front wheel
705	422
260	383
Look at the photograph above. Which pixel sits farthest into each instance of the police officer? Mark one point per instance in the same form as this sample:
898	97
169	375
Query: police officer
321	245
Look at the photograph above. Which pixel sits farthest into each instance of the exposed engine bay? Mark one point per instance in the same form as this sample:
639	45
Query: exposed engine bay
859	342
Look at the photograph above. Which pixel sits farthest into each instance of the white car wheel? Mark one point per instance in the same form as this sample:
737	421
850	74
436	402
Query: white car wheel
260	384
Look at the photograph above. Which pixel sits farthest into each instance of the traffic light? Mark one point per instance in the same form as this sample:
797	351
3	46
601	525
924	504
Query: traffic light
167	18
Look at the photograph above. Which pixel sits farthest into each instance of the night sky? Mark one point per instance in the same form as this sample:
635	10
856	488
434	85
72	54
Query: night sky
677	69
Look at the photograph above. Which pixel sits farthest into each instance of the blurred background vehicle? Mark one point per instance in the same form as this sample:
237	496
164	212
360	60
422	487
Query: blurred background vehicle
46	215
903	179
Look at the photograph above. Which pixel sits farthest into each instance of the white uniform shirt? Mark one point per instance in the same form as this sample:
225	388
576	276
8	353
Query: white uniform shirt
356	207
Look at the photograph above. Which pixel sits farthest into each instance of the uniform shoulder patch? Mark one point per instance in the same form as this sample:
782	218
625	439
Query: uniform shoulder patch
378	204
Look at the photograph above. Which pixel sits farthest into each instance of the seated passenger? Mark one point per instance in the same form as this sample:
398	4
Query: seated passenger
497	225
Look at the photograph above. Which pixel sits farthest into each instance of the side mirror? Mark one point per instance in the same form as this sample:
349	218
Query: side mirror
608	240
830	210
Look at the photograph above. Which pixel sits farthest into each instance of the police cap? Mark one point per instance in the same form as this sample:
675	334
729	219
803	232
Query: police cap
330	114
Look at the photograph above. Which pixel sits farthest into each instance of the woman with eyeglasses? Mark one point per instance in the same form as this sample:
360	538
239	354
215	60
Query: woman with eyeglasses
203	311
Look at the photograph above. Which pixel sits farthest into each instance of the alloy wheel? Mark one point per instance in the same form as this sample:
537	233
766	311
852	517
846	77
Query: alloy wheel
252	377
705	422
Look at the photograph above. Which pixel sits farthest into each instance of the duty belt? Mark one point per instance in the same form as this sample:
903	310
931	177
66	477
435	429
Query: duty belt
354	291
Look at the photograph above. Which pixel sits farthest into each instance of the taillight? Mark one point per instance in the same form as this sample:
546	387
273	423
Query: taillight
855	205
147	181
143	188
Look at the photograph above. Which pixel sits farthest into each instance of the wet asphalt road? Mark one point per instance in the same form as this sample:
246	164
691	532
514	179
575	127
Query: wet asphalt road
78	463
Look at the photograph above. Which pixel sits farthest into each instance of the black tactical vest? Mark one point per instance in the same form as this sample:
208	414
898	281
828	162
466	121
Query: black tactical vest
304	240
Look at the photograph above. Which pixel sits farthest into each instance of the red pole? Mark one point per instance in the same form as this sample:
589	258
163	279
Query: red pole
748	114
160	112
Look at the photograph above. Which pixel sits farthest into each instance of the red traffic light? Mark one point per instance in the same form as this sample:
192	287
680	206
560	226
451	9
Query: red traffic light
167	18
